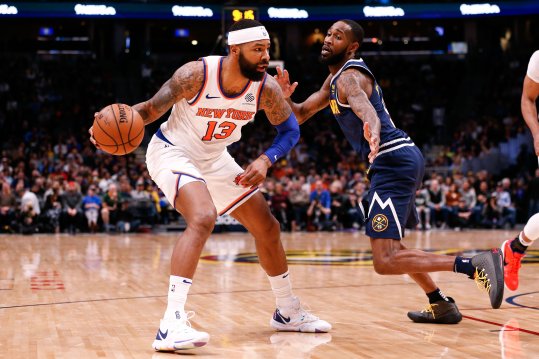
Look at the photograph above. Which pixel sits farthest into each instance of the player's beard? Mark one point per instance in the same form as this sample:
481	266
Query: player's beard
333	59
249	70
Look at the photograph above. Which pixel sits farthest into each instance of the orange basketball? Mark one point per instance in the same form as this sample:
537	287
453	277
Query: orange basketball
118	129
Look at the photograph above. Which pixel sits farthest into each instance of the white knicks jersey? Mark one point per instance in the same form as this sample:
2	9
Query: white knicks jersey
206	124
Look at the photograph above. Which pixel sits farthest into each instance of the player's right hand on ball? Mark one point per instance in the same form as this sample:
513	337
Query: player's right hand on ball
283	79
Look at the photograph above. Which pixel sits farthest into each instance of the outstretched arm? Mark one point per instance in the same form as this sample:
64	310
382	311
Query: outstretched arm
311	105
530	93
185	83
353	87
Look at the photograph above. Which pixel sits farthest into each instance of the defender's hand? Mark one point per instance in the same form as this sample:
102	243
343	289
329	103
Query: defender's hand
374	141
283	79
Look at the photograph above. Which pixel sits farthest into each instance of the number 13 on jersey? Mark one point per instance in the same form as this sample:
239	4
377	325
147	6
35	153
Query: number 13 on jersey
224	130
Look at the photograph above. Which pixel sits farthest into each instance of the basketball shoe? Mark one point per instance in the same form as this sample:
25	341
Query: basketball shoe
489	275
296	319
512	262
440	312
177	334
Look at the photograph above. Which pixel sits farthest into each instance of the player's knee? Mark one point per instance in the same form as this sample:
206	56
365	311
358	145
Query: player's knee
382	265
274	228
269	233
203	221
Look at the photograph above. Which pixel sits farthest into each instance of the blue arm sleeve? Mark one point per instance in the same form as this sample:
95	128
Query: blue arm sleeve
286	139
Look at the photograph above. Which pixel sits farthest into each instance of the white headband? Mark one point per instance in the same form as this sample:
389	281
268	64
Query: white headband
247	35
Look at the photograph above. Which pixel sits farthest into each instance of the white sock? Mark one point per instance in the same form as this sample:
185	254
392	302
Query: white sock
521	240
531	229
177	296
282	289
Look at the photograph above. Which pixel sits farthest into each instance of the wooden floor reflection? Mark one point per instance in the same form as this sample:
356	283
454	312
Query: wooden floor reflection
101	296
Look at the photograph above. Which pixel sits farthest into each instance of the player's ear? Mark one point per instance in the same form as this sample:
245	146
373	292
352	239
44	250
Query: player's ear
235	49
353	47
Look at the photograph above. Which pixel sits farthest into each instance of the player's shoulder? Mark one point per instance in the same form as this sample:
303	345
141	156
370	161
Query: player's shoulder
271	88
192	67
192	72
535	57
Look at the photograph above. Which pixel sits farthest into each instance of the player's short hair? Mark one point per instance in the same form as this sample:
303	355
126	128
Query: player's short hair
244	24
357	30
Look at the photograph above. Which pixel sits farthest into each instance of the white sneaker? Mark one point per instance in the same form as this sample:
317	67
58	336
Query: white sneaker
177	334
297	319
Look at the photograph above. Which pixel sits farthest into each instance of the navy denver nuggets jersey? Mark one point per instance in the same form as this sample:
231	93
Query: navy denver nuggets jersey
352	126
396	172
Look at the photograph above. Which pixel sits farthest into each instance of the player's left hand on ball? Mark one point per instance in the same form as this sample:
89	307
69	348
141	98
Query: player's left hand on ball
91	132
92	139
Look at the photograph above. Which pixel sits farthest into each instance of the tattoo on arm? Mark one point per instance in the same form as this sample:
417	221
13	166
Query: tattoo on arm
352	87
273	103
185	83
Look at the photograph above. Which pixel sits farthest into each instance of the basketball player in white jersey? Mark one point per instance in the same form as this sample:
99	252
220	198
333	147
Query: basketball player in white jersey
514	250
211	100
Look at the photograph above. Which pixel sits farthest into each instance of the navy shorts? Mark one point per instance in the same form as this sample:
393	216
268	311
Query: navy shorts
395	176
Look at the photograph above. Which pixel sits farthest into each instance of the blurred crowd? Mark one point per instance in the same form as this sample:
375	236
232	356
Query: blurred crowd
480	165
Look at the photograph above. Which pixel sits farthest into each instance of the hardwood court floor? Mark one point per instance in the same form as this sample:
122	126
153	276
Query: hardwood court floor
101	296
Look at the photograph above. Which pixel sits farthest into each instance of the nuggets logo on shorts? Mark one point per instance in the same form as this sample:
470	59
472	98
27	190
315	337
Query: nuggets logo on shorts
380	223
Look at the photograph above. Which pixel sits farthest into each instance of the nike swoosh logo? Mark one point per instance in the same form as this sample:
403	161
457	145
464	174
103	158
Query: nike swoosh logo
163	335
283	317
210	97
187	282
287	274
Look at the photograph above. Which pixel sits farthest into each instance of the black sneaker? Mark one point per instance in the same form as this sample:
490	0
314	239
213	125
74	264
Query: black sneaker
440	312
489	275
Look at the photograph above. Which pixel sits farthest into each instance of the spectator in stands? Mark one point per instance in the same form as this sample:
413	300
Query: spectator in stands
52	211
71	199
462	216
110	207
467	192
126	221
436	203
141	204
8	205
91	204
30	202
299	198
281	207
505	204
491	213
319	210
337	203
353	214
423	210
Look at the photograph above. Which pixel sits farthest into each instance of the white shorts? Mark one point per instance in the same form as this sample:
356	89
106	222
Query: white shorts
171	167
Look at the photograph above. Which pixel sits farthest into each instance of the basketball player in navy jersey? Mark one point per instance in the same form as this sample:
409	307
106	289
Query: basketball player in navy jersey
396	171
211	99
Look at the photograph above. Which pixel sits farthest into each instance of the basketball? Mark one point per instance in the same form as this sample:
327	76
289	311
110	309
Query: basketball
118	129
